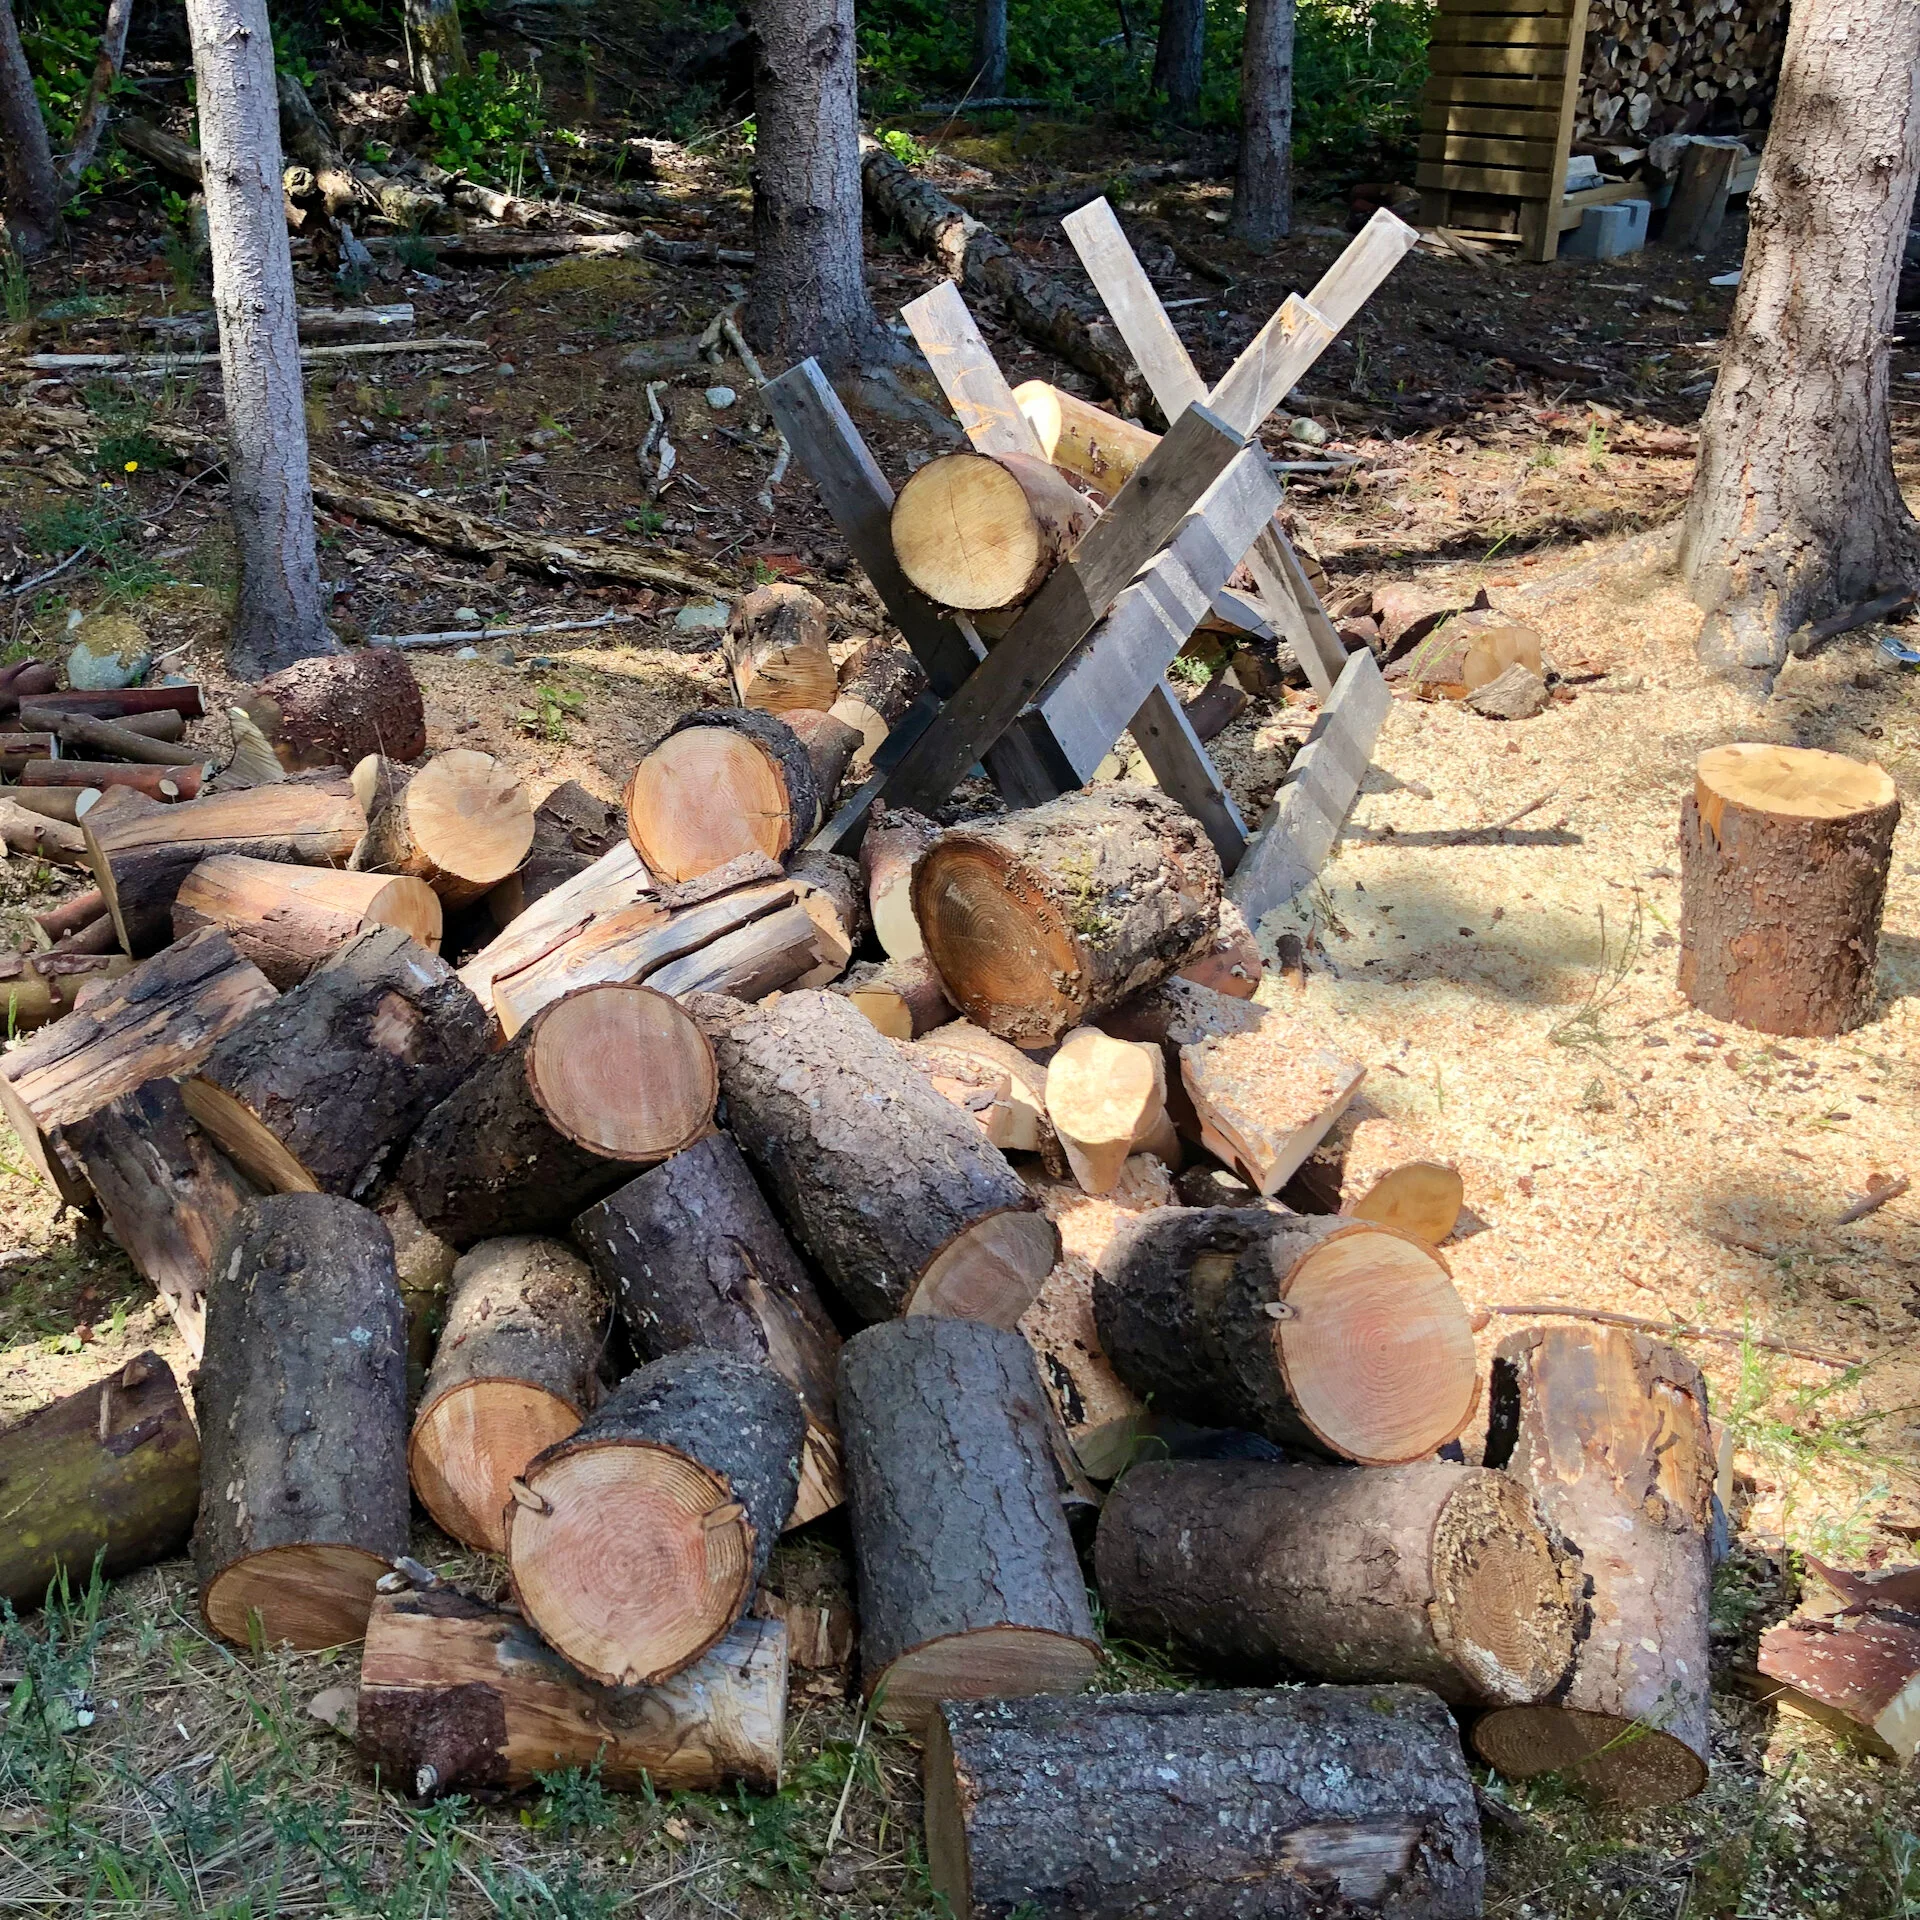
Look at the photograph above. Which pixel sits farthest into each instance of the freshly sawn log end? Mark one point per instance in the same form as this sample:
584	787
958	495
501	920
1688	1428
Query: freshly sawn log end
462	824
979	531
725	781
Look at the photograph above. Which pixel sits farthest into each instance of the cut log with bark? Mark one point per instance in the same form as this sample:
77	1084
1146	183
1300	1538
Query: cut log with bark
1043	920
166	1191
901	1202
1370	1167
1441	1575
321	1090
982	531
18	749
141	855
288	920
1097	448
1608	1431
424	1265
1857	1672
158	1021
112	739
335	710
28	824
112	1471
572	828
1784	858
768	956
903	998
1266	1099
302	1405
185	700
462	824
975	1088
725	781
832	891
878	687
1106	1098
1468	652
830	744
895	838
605	1081
636	1544
1325	1800
969	1585
1232	964
776	648
696	1258
1239	1318
1028	1130
516	1370
166	784
457	1697
37	989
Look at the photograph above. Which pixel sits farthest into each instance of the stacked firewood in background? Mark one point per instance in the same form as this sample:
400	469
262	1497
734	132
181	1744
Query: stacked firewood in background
667	1221
1678	66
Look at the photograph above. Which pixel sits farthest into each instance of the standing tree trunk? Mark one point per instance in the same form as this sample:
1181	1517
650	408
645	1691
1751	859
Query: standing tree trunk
809	292
279	616
1178	55
1263	188
435	50
32	191
1795	509
989	50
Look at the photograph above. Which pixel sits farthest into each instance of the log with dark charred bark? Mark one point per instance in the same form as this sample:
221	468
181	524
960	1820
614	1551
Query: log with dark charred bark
335	710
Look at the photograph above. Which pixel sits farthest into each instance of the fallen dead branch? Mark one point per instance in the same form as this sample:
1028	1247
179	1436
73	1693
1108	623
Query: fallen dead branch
1874	1201
173	362
453	636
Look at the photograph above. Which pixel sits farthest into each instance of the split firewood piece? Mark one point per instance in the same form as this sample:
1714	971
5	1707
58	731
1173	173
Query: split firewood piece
1043	920
878	687
902	1203
1105	1098
1314	1800
903	998
1857	1672
1264	1102
334	710
830	744
770	955
1096	447
1471	651
725	781
517	1369
168	784
1239	1318
320	1090
423	1264
572	828
157	1022
979	530
457	1695
1371	1168
1608	1431
37	989
299	1523
1784	857
1028	1130
1437	1574
378	781
288	920
1231	963
696	1258
462	824
141	855
969	1584
895	838
167	1192
635	1544
776	645
594	1086
830	888
112	1470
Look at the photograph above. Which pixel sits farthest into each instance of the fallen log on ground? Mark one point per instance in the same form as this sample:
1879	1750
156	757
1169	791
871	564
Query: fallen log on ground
461	824
983	531
318	325
900	1201
725	781
123	702
37	989
878	686
1079	438
830	746
165	783
335	710
110	737
1106	1099
595	1086
456	1696
1608	1431
695	1257
112	1471
1351	1800
968	1582
1240	1318
517	1369
895	838
636	1544
776	648
302	1405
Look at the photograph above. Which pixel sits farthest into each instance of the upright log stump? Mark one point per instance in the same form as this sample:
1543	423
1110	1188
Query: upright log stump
1334	1335
969	1585
695	1258
635	1544
517	1369
1437	1574
1784	856
725	781
1300	1805
776	647
302	1399
1608	1431
334	710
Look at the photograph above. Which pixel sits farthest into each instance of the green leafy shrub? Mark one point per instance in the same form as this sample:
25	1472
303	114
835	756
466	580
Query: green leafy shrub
485	121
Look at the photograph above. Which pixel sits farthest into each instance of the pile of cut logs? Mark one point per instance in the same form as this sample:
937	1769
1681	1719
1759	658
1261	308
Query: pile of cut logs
1678	66
655	1229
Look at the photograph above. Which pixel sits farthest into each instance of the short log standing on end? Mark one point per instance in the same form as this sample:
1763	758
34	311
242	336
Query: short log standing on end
776	647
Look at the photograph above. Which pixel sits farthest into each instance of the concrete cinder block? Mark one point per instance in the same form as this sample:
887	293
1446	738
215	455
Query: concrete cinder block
1604	233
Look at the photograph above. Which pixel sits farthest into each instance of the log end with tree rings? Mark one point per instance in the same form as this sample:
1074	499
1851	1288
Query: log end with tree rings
1784	858
462	825
1621	1761
776	647
977	531
991	1270
1422	1198
623	1071
1098	448
723	783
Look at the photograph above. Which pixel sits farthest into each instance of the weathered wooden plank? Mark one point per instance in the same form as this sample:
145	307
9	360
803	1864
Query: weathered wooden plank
1499	151
1520	186
1541	231
1180	764
968	374
1520	63
1121	281
1488	123
1499	30
1493	90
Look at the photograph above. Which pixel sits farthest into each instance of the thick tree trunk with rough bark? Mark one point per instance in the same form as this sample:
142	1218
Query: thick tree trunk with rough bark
1795	510
809	290
279	616
434	44
1263	187
1179	53
33	189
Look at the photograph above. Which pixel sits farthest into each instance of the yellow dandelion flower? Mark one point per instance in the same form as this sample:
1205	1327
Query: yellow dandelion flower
133	466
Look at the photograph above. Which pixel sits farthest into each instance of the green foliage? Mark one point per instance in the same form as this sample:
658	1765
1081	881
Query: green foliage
1358	69
904	147
62	39
486	121
15	287
547	718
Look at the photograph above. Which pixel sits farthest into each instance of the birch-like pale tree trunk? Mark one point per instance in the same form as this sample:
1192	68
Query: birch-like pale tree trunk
279	616
1795	511
32	188
435	44
1263	188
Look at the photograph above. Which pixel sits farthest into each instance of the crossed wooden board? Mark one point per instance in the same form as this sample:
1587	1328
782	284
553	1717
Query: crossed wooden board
1087	656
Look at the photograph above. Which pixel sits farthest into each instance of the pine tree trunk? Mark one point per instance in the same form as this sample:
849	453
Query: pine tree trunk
1795	509
989	49
279	616
32	192
1263	188
809	291
434	43
1178	55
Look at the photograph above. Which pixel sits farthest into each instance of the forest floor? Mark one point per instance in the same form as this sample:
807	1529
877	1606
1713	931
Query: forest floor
1519	429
